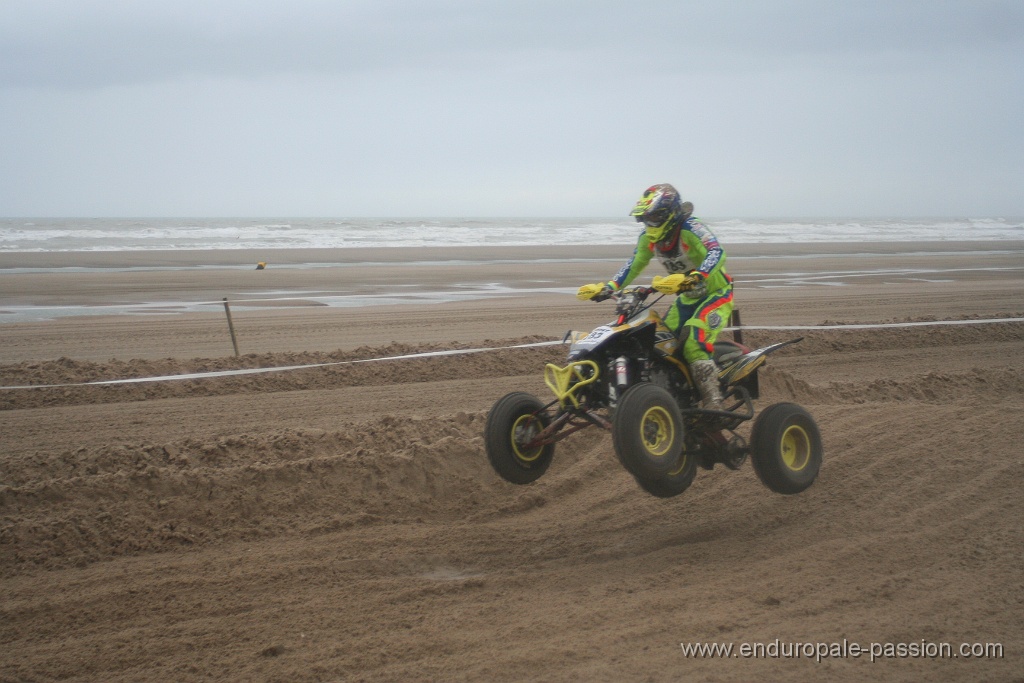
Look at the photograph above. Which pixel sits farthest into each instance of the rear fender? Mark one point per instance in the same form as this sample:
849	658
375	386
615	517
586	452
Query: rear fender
747	364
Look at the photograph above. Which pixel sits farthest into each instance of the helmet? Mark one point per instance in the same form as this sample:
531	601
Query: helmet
658	209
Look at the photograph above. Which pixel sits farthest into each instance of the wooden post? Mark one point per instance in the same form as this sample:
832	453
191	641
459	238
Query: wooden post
231	326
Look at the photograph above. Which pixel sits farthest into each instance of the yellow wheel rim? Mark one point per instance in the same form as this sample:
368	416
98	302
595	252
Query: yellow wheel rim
658	431
524	430
796	448
682	466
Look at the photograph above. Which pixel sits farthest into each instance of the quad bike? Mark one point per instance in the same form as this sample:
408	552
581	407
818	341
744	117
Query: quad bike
626	377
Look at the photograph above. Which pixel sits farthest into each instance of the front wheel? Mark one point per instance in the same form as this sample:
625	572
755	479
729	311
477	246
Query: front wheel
513	422
647	431
785	448
673	483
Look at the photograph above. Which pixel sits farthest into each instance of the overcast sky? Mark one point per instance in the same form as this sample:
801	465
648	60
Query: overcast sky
528	108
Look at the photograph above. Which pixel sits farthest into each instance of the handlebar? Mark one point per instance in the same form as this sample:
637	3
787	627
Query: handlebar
642	292
631	300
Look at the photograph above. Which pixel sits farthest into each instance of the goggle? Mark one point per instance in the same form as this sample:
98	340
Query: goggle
655	218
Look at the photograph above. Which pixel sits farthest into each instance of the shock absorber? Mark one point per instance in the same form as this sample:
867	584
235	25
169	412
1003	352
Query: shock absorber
621	373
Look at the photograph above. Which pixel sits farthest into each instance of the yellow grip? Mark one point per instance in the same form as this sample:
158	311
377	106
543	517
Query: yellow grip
678	282
588	292
669	284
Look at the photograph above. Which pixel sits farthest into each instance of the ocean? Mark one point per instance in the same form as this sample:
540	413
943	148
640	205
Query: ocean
135	234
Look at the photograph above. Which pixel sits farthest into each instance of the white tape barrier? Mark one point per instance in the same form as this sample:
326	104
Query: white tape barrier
878	326
283	368
460	352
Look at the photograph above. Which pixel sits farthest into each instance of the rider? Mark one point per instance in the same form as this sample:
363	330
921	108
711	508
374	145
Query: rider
696	263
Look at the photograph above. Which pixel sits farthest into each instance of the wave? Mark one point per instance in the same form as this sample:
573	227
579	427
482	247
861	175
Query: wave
58	235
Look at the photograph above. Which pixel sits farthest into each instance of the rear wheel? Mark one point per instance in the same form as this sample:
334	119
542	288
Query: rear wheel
513	422
785	448
647	431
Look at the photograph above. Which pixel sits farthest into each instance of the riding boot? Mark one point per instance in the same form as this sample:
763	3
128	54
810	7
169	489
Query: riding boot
705	375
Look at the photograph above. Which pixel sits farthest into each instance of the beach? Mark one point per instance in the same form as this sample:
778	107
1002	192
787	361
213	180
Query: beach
341	522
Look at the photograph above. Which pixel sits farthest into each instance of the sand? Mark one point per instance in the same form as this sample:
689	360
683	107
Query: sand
342	523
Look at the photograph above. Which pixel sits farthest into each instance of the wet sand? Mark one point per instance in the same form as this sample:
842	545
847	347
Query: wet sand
392	295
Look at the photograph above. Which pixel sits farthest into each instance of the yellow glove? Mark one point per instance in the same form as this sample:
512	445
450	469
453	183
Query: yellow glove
595	292
678	282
